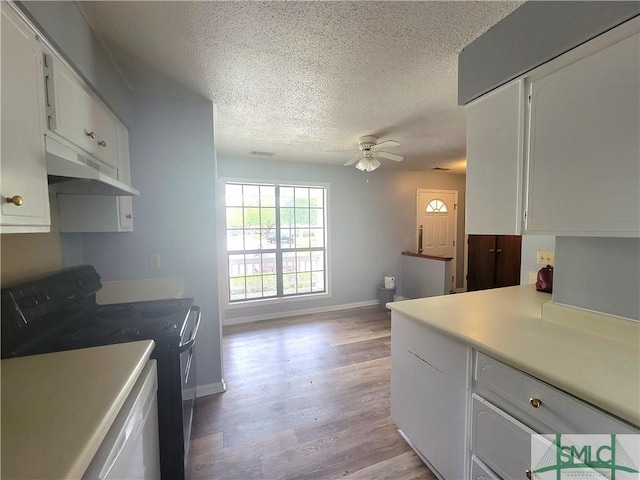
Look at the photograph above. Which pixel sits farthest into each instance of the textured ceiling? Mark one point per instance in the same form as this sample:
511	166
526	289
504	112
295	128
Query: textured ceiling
304	79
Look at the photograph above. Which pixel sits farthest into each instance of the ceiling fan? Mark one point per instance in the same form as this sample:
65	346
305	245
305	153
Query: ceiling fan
368	158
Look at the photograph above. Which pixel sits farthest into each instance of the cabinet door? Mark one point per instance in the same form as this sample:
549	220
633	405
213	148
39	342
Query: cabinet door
584	153
500	441
23	159
508	253
72	115
125	204
106	143
430	378
481	266
78	116
494	161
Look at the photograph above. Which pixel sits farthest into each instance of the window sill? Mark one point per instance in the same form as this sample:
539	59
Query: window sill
275	301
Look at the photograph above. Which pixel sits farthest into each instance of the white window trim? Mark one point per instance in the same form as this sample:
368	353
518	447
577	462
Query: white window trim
223	264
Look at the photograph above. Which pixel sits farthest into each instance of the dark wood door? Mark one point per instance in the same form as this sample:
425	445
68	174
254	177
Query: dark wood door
494	261
508	252
482	262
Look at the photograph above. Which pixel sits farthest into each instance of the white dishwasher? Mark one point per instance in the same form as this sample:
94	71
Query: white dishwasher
130	449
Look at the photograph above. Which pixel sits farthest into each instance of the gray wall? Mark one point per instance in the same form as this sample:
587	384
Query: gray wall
70	34
533	34
370	217
601	274
531	244
173	166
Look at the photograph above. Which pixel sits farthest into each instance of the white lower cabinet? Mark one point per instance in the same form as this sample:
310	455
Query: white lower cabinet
479	471
430	377
500	440
520	406
477	426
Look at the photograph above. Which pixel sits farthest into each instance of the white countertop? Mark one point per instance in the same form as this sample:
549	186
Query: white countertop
592	356
58	407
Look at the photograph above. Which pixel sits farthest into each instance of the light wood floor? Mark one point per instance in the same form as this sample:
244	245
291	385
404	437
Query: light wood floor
307	397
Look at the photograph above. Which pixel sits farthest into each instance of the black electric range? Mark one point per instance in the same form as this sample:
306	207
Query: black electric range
59	312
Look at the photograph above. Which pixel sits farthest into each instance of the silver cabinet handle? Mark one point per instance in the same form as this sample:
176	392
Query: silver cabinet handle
91	135
129	215
102	143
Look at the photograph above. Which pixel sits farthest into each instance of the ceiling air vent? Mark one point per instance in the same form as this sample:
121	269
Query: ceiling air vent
263	154
441	169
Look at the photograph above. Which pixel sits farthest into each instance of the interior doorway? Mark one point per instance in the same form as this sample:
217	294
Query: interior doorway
437	213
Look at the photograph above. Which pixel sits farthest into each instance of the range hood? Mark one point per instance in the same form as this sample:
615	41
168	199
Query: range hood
71	172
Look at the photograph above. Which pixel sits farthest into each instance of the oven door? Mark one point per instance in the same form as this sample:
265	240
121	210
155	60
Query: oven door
188	373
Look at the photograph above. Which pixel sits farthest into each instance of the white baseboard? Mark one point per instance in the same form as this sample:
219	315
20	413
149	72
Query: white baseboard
211	389
293	313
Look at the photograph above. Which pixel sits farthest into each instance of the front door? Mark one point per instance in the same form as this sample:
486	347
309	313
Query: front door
437	215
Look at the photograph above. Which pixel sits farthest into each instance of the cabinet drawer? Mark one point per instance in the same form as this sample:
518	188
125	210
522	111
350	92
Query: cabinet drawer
558	412
479	471
500	441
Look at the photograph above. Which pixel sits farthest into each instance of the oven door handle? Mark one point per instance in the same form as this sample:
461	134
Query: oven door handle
183	347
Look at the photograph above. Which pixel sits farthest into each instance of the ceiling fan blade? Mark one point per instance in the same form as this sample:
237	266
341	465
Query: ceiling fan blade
353	160
386	144
390	156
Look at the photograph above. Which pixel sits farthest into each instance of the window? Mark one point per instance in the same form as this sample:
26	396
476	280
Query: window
436	206
276	240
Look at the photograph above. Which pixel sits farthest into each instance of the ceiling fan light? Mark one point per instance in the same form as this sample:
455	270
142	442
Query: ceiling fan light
368	164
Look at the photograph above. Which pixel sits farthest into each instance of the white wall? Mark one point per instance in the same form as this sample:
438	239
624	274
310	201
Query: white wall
173	166
370	216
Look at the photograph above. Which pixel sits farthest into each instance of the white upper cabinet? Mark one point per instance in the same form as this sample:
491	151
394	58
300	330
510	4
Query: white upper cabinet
584	141
557	151
495	131
99	213
74	113
23	166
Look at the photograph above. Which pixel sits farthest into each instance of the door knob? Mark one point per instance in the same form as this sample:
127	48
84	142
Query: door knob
16	200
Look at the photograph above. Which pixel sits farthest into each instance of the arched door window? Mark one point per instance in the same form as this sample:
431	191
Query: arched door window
436	206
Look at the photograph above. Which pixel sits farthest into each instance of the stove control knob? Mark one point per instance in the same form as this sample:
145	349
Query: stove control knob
42	297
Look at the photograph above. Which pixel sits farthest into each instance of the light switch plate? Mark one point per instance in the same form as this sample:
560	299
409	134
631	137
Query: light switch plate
545	258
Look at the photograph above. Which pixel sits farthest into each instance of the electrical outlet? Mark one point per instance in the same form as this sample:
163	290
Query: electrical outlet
545	258
154	261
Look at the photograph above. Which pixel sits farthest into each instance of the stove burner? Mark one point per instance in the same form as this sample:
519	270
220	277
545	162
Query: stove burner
98	332
153	328
115	311
162	308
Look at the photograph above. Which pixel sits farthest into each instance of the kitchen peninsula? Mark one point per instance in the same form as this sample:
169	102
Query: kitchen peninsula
543	367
